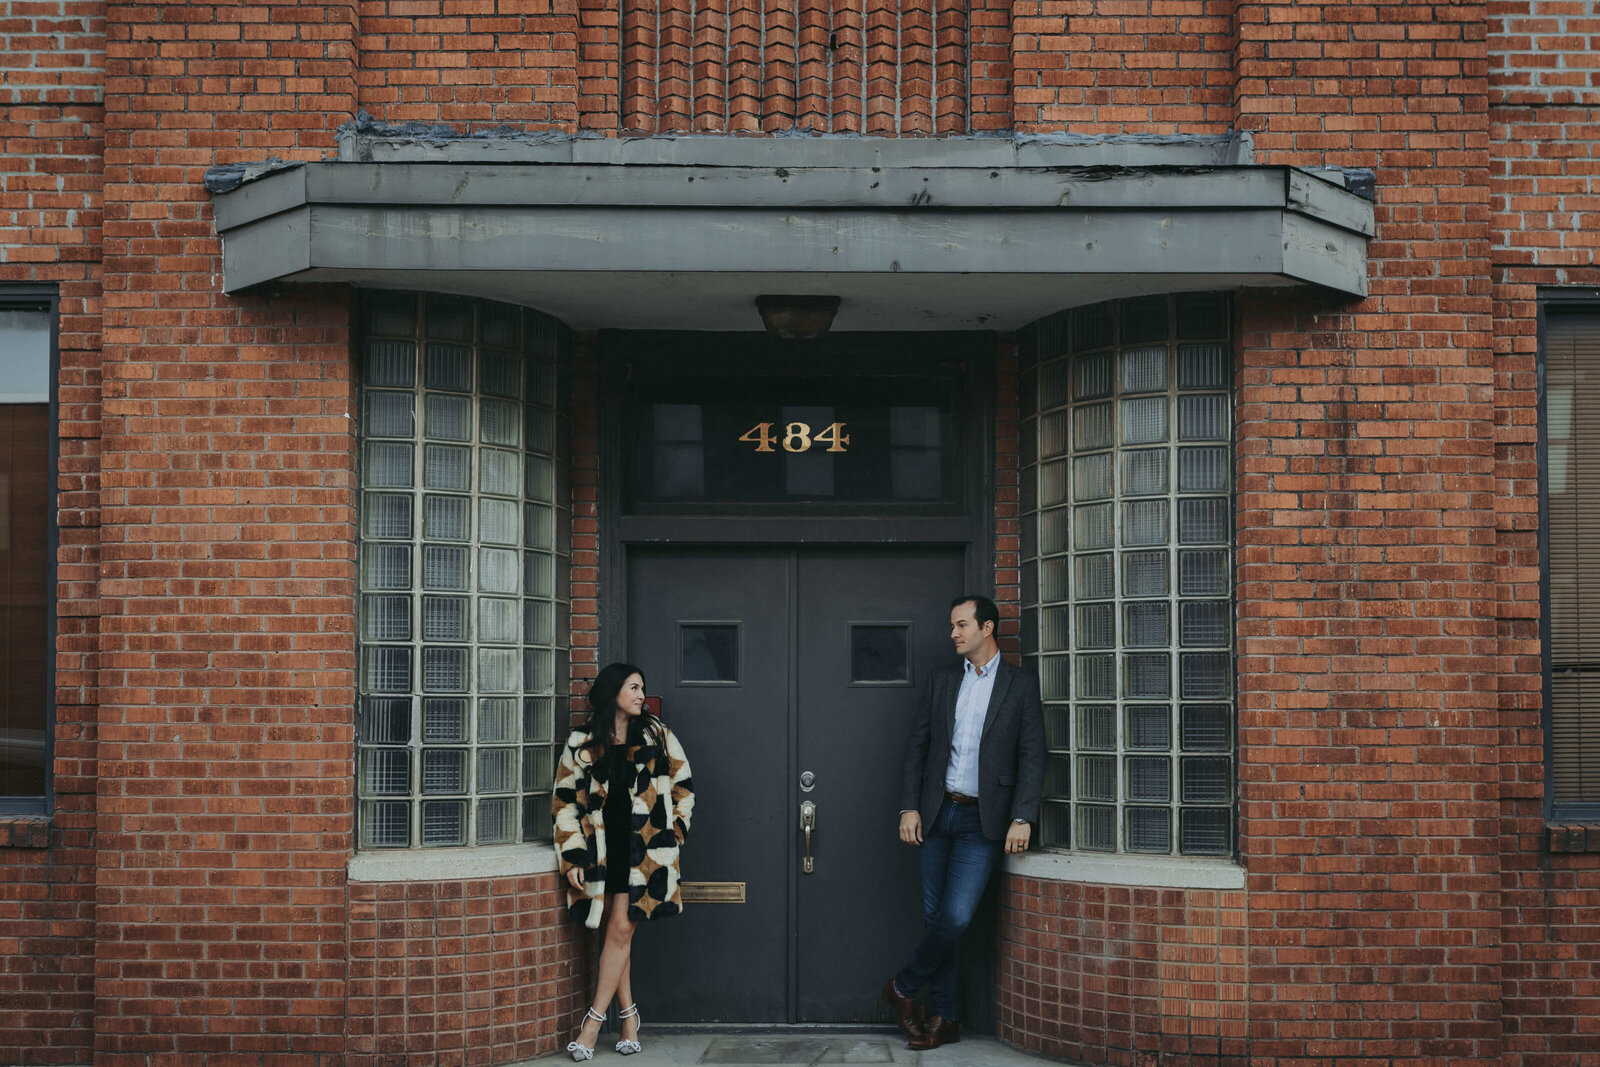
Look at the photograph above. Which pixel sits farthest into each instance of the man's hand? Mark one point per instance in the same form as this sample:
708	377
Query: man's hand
575	876
1016	837
911	828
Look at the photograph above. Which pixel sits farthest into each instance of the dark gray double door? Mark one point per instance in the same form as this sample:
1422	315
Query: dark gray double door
791	675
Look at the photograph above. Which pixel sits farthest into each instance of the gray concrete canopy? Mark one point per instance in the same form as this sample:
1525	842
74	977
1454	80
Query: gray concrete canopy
666	234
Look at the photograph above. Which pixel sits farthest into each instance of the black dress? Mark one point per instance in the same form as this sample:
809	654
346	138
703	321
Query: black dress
618	812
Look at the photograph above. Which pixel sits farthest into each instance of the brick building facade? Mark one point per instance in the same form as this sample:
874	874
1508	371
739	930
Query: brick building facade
204	874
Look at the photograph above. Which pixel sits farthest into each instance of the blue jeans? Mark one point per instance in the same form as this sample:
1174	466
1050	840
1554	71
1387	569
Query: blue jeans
956	863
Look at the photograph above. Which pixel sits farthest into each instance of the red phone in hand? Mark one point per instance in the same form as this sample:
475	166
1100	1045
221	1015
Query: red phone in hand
652	705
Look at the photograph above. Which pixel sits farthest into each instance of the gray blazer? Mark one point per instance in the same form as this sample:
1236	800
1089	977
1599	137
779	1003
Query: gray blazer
1010	749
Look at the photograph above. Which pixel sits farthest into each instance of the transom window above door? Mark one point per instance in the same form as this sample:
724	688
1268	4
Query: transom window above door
879	431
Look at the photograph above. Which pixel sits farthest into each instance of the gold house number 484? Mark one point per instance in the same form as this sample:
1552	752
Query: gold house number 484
797	437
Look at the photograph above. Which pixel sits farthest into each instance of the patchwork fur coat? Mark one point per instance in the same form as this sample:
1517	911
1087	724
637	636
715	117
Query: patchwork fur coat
661	793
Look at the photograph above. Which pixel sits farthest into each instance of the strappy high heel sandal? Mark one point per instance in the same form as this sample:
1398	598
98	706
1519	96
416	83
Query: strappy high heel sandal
583	1052
628	1048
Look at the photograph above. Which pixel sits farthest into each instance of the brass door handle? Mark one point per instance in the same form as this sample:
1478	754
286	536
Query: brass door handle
808	823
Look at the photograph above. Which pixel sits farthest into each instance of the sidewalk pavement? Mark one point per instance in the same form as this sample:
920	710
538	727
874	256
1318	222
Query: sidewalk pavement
804	1048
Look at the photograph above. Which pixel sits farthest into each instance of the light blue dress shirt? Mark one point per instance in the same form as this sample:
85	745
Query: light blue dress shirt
972	708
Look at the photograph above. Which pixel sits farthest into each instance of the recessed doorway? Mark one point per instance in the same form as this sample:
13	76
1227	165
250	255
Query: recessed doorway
791	674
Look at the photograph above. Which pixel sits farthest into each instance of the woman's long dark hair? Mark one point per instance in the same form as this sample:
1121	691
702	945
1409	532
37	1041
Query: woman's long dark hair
603	709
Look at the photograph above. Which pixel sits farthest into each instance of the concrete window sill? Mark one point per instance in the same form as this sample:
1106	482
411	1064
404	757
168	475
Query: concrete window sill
25	831
1172	872
452	864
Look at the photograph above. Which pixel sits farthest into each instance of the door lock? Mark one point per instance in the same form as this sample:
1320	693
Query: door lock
808	781
808	823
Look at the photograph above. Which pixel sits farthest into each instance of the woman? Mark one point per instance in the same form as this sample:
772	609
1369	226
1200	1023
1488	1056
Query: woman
622	804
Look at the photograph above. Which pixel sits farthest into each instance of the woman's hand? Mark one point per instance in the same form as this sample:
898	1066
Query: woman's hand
575	877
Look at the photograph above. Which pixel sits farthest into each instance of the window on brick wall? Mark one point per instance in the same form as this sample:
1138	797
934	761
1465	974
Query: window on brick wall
1571	484
27	534
463	572
1127	572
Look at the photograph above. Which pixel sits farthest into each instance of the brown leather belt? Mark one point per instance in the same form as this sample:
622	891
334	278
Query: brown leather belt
959	798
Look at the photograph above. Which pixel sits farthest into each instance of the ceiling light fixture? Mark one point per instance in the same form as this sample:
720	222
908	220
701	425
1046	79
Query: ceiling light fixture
797	318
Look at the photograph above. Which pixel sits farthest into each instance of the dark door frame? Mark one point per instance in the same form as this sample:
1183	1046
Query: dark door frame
972	528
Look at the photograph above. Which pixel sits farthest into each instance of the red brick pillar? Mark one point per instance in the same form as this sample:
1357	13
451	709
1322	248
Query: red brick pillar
52	126
1368	722
1007	524
1544	111
227	569
599	70
990	66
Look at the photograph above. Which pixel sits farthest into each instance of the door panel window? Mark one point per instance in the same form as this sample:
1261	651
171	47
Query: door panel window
710	653
880	654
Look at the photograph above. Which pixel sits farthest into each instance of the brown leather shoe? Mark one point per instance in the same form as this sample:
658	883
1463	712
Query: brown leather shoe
907	1013
940	1031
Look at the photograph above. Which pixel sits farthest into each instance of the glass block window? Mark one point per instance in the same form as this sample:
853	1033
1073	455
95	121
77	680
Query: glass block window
463	560
1127	572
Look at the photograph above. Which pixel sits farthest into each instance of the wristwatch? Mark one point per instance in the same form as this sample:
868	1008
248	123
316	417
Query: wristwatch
1020	822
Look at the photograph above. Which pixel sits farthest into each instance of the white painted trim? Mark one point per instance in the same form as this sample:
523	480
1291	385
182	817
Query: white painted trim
452	864
1160	871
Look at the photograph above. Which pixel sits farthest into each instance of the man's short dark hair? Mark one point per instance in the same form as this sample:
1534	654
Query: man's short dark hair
982	608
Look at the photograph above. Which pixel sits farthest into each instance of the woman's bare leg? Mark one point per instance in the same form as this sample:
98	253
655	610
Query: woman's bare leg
614	959
629	1027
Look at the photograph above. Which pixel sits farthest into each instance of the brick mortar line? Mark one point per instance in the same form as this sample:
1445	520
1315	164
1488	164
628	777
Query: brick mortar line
16	92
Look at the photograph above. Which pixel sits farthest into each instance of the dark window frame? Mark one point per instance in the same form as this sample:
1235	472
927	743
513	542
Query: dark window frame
1564	300
45	298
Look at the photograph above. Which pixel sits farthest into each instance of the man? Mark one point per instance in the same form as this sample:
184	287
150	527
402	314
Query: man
974	771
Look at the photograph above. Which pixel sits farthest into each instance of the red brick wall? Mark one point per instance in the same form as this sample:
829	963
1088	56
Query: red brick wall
754	66
1099	972
920	68
1123	66
1402	902
1544	110
225	810
1113	974
1368	717
225	745
990	63
51	141
473	971
477	63
1007	504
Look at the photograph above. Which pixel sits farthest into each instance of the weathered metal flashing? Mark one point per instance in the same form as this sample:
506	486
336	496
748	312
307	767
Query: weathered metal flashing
923	189
998	244
366	140
1362	181
229	176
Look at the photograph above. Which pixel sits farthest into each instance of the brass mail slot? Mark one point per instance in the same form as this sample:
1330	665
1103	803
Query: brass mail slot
712	892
